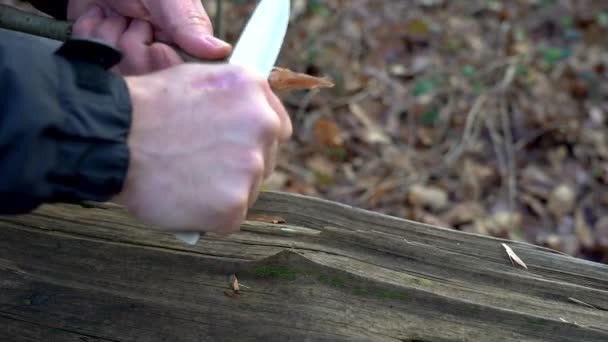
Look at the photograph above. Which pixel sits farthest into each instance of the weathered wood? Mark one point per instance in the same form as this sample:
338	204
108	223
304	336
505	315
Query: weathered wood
330	273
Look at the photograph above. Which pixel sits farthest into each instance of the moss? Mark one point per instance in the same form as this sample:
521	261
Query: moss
424	282
276	272
332	281
393	295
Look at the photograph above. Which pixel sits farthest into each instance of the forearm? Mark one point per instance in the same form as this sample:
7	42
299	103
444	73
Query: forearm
63	127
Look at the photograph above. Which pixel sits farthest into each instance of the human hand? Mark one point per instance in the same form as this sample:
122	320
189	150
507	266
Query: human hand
181	22
202	140
133	37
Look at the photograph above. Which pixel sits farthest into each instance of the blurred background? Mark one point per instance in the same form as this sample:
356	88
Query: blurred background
478	115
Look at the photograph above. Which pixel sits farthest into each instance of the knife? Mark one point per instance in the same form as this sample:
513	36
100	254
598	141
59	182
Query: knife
257	48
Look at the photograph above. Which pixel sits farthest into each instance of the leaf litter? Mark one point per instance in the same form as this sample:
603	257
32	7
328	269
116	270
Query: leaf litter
483	116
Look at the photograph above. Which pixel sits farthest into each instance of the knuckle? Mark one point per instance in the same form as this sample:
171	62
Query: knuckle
84	27
249	75
234	205
271	123
226	212
263	121
253	163
192	19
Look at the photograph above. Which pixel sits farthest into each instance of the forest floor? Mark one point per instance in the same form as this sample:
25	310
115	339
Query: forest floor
484	116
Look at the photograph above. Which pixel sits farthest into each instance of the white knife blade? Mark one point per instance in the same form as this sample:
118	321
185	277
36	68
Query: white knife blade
260	43
257	48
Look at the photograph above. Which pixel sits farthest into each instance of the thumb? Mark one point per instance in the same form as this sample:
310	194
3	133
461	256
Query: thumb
188	25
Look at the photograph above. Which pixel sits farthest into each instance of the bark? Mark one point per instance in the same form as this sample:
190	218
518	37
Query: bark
329	273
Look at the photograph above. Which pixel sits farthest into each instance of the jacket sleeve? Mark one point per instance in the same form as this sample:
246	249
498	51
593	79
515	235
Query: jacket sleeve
64	123
55	8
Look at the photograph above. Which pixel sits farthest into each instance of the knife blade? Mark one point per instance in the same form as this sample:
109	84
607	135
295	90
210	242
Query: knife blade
257	48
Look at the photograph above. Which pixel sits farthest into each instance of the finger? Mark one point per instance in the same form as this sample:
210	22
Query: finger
163	56
111	29
86	23
286	129
135	44
189	26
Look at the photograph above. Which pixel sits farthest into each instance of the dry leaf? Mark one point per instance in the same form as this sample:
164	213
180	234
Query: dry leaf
328	133
561	200
266	219
374	133
320	163
601	232
234	284
428	196
285	79
514	257
230	294
465	212
582	230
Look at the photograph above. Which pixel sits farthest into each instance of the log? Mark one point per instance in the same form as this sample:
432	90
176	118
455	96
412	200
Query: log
330	272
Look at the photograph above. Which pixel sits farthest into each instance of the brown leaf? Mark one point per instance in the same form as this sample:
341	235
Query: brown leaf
374	133
285	79
266	219
601	231
463	213
328	133
582	230
561	200
428	196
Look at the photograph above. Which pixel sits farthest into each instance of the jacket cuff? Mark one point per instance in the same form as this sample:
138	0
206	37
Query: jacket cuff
92	140
55	8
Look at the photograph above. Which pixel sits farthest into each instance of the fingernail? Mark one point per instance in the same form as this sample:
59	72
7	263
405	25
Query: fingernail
94	11
217	43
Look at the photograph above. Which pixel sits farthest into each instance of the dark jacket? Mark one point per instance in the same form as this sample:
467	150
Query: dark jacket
64	121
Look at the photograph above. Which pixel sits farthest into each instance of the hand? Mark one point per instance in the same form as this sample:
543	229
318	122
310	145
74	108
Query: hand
202	140
133	37
182	22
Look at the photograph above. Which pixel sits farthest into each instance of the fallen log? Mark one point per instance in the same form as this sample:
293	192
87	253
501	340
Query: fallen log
300	269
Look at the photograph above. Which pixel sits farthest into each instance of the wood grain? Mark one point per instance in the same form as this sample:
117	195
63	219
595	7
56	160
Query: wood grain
330	273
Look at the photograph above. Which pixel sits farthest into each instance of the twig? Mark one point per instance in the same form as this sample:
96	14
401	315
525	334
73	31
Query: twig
510	152
508	134
469	128
497	143
17	20
219	19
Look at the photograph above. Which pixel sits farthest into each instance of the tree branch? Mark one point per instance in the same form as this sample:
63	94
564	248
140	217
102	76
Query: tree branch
219	18
17	20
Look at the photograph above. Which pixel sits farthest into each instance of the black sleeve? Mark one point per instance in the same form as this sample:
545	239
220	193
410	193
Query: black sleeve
54	8
64	123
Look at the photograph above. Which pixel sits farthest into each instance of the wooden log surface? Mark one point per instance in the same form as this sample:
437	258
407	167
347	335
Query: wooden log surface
329	273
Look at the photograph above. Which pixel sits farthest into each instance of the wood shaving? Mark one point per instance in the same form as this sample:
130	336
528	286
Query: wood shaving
513	257
266	219
282	79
